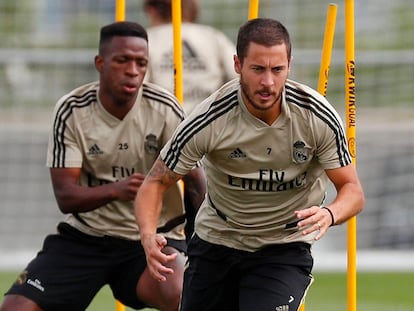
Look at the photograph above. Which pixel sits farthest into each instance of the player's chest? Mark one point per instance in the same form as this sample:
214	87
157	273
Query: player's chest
247	148
129	140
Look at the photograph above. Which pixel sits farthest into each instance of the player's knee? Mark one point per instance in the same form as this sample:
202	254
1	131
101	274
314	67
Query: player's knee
171	303
170	297
172	292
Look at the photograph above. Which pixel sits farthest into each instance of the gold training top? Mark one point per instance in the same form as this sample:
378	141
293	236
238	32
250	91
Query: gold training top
107	149
258	175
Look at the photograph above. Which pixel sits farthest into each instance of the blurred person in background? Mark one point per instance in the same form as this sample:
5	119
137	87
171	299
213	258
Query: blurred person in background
269	146
207	52
104	138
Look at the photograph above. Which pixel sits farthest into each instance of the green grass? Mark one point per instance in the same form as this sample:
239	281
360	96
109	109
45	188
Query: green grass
376	291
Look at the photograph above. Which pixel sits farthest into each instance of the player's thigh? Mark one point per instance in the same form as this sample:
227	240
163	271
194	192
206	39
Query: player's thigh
18	303
132	284
273	287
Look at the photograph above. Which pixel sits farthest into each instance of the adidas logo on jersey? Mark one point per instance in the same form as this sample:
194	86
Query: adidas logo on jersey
95	150
237	154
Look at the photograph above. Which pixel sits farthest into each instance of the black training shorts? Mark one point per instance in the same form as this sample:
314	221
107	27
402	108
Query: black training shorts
72	267
221	278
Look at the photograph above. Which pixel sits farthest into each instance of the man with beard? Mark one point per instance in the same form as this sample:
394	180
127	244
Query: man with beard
269	146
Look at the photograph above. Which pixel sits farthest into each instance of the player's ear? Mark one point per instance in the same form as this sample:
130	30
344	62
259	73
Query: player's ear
237	64
98	63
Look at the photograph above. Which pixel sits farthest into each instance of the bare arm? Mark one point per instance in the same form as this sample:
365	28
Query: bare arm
148	204
194	194
348	202
195	188
72	198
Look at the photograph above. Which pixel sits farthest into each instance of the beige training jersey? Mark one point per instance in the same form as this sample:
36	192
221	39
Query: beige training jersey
258	175
207	60
85	135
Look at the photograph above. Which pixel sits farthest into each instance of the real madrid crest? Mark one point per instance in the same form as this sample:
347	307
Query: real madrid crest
300	153
22	278
151	144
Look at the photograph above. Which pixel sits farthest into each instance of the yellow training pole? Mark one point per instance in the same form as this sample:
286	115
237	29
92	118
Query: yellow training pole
351	130
178	57
120	10
253	9
327	49
178	60
326	60
119	306
119	16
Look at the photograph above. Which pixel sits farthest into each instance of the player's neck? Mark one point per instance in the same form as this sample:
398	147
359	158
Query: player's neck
118	108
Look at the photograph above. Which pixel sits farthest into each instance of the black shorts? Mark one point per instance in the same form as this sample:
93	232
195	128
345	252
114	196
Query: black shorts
220	278
72	267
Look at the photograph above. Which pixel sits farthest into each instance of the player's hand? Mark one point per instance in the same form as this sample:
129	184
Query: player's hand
314	219
126	189
157	261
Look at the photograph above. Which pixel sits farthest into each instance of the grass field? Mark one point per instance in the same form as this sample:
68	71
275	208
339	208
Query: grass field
380	291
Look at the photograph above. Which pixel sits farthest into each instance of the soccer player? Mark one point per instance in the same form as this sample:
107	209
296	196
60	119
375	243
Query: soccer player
269	146
104	138
207	52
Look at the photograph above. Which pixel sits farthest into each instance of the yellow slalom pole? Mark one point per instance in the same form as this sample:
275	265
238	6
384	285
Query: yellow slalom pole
119	16
178	60
178	57
119	306
253	9
120	10
327	49
326	60
351	130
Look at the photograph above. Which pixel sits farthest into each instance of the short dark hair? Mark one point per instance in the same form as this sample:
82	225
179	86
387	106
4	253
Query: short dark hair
121	29
163	8
263	31
189	9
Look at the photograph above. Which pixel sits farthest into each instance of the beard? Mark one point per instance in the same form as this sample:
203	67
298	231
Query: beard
248	94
